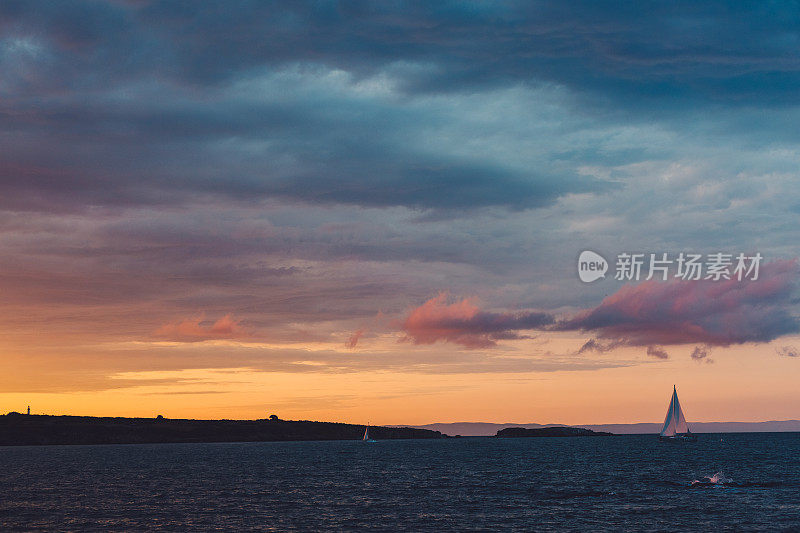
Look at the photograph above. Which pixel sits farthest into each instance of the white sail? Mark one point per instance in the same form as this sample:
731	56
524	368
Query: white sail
669	423
681	426
675	421
366	433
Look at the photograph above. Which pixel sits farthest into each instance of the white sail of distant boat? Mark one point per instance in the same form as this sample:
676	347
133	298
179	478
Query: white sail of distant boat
675	426
366	435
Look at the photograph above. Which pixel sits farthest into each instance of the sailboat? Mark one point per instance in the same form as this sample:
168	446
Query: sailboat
366	435
675	426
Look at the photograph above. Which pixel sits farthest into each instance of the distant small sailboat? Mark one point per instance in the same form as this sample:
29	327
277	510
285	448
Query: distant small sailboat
366	435
675	426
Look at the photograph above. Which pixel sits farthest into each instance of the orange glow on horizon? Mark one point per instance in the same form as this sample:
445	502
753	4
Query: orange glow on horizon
736	387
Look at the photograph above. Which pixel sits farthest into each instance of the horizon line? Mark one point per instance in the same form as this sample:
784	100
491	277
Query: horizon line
415	425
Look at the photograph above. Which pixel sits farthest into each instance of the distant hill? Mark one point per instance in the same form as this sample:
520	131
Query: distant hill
488	429
19	429
556	431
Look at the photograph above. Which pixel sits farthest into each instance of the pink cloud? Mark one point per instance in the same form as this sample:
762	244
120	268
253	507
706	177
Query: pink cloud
463	323
713	313
353	340
652	314
196	329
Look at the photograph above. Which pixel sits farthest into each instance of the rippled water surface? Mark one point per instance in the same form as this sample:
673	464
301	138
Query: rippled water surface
733	481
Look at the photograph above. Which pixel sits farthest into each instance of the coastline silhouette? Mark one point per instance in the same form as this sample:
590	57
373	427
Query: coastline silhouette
17	429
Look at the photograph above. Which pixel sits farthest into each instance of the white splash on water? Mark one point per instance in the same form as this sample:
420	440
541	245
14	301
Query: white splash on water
717	479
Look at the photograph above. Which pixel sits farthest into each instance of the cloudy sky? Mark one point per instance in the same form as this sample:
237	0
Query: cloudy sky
373	211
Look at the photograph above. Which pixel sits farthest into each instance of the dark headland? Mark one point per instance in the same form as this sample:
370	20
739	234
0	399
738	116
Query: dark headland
559	431
20	430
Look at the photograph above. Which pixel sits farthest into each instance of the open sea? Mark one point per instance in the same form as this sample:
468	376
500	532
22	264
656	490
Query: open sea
741	482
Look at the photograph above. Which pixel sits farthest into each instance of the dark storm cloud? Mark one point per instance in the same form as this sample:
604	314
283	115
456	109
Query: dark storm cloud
131	103
114	104
729	50
128	153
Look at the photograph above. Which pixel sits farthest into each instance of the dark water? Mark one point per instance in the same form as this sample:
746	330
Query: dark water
735	482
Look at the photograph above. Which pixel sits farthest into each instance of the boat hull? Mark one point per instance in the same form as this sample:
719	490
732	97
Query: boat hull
678	438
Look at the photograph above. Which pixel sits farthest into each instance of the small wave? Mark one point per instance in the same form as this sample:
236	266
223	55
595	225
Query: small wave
565	493
669	483
764	484
568	494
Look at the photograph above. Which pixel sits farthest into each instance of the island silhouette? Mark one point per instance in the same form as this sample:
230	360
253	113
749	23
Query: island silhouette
556	431
17	429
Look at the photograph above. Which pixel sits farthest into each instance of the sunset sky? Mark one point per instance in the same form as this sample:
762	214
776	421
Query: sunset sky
362	211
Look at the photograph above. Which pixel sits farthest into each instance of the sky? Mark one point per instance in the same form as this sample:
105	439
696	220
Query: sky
362	211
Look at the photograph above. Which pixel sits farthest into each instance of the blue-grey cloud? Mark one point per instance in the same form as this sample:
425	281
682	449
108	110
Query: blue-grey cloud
715	50
130	103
